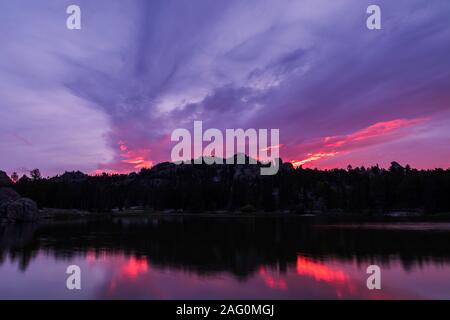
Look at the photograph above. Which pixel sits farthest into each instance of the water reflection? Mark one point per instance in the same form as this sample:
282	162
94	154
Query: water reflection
212	258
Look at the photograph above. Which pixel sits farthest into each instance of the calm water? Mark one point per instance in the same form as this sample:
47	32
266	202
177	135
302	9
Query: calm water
224	258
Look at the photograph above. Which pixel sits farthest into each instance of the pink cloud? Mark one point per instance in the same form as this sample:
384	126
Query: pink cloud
375	134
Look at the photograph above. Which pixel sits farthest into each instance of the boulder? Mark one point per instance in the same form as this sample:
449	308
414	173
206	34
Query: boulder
19	210
8	194
5	181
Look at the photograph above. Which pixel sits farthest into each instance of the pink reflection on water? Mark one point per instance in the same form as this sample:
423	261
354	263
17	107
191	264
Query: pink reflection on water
335	276
271	281
129	276
127	271
134	267
320	272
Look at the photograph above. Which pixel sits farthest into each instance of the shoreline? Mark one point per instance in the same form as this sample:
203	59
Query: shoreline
72	214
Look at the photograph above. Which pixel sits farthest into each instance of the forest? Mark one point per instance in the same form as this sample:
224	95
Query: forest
225	187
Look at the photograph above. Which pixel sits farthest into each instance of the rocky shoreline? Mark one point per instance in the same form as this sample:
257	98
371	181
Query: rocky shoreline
13	207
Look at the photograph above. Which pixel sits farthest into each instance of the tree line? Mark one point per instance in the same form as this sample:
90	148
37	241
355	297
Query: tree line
224	187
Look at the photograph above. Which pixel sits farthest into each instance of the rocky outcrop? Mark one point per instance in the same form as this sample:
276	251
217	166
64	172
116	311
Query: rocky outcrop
5	181
8	194
20	210
73	177
14	208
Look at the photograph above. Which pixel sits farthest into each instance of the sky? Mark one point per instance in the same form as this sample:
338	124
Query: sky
107	97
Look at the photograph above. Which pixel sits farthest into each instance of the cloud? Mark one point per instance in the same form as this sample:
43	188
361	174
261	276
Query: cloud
374	134
139	69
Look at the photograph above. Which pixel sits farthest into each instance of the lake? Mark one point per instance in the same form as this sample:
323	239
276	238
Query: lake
199	257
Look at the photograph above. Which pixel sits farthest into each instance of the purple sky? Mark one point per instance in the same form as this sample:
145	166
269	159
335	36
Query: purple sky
107	97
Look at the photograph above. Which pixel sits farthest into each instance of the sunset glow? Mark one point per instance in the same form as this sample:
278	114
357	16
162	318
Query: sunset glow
373	135
313	157
135	158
